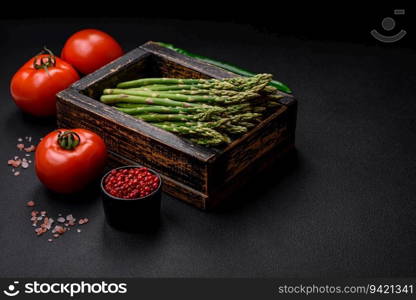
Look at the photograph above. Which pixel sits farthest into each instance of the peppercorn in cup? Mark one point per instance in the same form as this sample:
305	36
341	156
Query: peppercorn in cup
131	198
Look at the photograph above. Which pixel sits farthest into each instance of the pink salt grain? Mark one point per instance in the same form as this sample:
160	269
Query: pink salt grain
14	163
30	149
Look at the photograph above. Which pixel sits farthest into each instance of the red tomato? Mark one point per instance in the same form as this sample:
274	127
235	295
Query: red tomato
36	83
67	160
90	49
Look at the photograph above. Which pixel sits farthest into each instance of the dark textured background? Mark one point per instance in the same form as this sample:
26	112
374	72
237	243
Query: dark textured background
343	206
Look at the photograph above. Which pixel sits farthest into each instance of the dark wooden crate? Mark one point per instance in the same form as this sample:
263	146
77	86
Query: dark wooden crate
198	175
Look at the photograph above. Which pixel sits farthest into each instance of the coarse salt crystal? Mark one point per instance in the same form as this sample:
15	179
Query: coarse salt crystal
40	231
49	224
14	163
59	229
83	221
30	149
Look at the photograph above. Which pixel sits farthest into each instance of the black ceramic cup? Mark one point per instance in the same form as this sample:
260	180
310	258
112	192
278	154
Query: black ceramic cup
133	215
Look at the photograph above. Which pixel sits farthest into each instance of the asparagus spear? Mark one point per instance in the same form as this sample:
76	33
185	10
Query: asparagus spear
234	129
248	116
170	87
272	104
201	135
243	107
166	109
228	83
201	89
212	92
130	108
173	81
207	141
112	99
243	96
130	105
248	125
175	117
134	105
205	116
269	89
255	83
187	91
223	126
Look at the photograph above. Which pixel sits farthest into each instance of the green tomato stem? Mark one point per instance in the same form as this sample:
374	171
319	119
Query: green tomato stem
68	140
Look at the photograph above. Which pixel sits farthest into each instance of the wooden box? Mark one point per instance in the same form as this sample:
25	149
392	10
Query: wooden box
196	174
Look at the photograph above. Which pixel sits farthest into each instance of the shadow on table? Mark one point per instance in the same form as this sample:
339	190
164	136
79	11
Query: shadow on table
254	192
143	242
79	200
19	118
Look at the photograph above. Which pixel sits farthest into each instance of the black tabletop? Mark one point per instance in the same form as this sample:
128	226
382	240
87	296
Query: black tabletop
342	205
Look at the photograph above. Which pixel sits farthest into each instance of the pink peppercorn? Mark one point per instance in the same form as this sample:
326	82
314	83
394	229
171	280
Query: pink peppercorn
131	183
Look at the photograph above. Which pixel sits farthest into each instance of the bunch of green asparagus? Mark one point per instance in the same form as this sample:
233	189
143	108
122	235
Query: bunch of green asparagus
207	111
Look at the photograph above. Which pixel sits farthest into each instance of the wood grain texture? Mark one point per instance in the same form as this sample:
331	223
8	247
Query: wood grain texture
245	151
198	175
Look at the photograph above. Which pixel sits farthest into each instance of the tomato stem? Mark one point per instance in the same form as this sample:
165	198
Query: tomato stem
68	140
45	62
